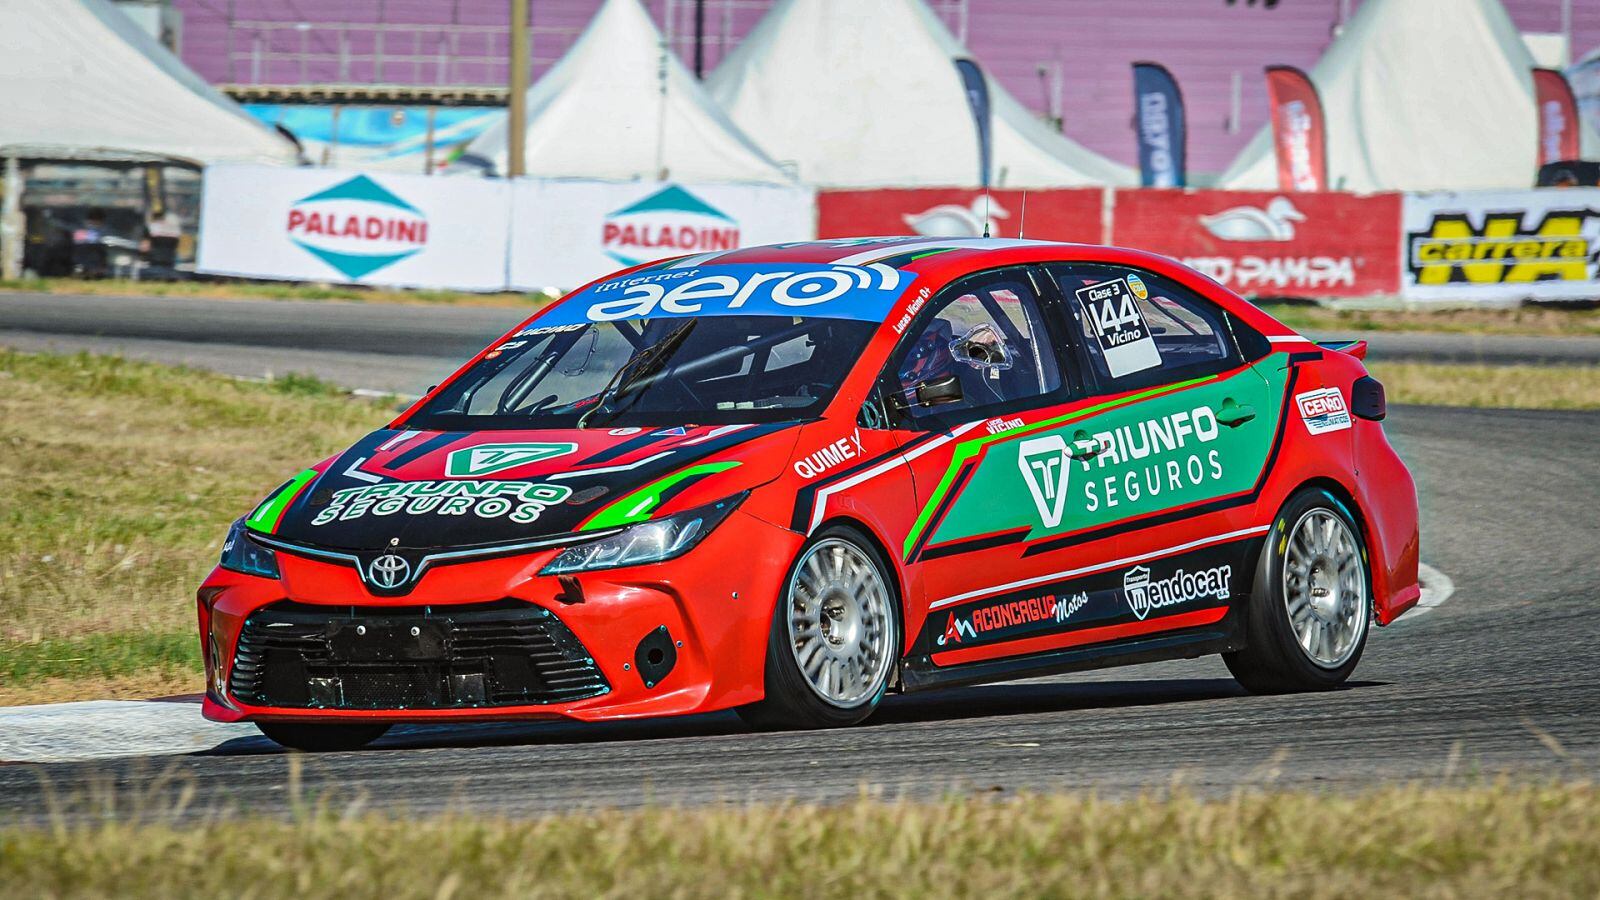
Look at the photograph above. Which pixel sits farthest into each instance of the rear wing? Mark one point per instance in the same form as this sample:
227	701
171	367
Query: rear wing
1358	349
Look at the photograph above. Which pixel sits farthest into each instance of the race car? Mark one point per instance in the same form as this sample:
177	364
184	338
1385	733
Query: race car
786	480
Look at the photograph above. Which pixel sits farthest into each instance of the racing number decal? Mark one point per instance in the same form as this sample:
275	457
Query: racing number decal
1119	327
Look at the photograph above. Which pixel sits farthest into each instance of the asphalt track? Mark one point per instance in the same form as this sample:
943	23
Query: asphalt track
405	348
1501	679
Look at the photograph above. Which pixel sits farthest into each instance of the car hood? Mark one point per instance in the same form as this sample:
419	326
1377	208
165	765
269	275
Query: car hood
429	489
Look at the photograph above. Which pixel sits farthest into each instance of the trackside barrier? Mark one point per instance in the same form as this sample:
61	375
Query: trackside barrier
1458	247
479	234
470	233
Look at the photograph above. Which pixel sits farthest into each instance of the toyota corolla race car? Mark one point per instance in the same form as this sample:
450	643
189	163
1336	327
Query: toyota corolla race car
785	480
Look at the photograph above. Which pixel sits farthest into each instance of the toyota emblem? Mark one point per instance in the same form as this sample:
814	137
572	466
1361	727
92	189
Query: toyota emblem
389	571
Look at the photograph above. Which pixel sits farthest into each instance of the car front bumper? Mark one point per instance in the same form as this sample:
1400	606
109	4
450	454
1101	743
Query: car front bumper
685	636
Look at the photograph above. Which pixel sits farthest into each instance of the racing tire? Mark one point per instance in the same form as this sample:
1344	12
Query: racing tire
835	636
316	738
1307	618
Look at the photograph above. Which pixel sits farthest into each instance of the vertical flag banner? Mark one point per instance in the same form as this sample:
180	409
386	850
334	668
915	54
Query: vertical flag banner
972	81
1158	122
1298	130
1558	116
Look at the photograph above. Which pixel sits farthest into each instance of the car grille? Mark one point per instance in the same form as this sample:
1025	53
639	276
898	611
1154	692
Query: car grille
508	653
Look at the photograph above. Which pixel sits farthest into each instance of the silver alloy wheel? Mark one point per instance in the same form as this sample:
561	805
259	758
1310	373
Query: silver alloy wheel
1325	588
839	626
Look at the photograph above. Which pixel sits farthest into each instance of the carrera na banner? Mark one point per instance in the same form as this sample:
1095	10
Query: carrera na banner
1493	245
1068	214
1298	130
1267	243
566	233
338	225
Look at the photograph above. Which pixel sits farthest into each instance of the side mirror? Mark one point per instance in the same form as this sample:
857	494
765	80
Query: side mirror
939	391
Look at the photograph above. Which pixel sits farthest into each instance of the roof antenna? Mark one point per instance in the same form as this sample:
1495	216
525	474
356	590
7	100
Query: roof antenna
987	217
1022	218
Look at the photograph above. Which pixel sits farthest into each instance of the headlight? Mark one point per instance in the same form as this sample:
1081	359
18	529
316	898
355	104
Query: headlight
241	554
653	541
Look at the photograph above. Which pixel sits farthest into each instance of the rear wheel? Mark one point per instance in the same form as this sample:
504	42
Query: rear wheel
317	738
1308	616
834	638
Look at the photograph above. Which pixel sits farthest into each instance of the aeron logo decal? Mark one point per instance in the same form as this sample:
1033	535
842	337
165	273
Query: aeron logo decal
357	227
853	292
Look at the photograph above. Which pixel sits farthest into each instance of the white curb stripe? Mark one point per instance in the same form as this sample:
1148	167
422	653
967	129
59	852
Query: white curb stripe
108	729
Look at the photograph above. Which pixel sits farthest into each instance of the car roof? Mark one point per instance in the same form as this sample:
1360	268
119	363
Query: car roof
939	260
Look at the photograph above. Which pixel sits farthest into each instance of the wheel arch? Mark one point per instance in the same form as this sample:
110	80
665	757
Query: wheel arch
1346	499
897	581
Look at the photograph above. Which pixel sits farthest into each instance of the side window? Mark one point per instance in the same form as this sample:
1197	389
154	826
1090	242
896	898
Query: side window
988	334
1140	329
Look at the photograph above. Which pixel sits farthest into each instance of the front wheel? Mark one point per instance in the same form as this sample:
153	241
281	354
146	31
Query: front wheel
1308	616
315	738
834	639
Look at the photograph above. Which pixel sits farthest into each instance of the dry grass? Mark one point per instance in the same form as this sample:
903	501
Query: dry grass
1529	841
1507	387
1535	320
117	483
255	290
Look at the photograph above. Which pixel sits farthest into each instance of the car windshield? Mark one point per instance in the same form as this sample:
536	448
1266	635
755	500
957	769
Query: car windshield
648	372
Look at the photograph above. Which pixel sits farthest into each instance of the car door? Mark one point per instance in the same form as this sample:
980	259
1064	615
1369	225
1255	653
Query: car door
989	476
1173	449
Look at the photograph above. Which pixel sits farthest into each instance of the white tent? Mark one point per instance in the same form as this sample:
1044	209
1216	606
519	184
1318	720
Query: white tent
866	94
79	80
1420	95
600	113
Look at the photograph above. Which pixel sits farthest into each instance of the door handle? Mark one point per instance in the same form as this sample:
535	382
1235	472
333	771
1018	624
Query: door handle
1084	446
1233	414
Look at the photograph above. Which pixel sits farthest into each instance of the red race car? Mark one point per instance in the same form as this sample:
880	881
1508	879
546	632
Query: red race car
785	480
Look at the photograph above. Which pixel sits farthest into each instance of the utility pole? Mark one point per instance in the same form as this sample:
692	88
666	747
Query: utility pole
517	115
700	39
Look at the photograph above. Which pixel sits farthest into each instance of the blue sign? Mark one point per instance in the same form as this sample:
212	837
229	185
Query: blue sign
977	91
1158	114
866	293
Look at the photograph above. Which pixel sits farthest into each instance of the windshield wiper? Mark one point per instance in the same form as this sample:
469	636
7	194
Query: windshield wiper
634	372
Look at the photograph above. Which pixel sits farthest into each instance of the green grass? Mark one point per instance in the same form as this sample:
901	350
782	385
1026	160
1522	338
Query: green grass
100	656
1525	320
1498	840
117	483
1500	387
255	290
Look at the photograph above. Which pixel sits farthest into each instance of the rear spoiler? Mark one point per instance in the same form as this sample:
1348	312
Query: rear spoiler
1358	349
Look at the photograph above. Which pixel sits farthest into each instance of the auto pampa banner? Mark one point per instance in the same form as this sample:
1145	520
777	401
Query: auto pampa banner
1067	214
1502	245
566	233
1269	243
362	228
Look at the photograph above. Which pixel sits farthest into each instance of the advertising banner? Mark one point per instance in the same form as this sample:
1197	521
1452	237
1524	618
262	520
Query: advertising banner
1068	214
1502	245
1558	117
1299	133
566	233
337	225
977	90
1270	244
1158	117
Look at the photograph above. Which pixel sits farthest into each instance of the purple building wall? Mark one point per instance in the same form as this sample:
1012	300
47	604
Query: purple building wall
1206	43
